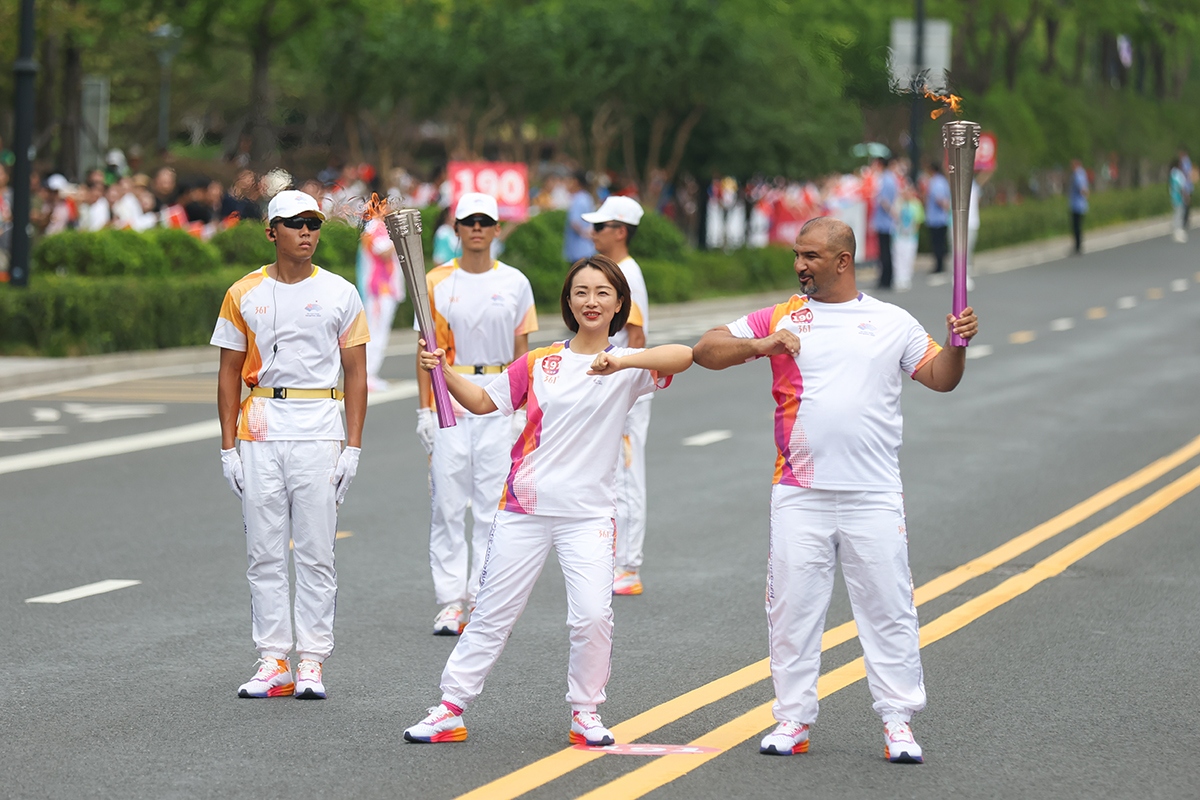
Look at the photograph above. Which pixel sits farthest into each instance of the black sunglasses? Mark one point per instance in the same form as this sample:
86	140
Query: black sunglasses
477	219
599	226
296	223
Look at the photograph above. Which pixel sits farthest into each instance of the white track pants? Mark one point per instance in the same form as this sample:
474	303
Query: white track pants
904	257
810	530
380	313
289	494
631	487
469	463
517	550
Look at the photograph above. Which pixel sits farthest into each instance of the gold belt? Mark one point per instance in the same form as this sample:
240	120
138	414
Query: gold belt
475	369
297	394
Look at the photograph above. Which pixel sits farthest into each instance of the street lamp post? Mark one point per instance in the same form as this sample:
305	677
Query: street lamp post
168	46
25	68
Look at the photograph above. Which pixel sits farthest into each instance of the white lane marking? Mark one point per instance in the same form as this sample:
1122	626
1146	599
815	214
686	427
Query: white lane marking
107	379
45	414
33	432
1062	324
67	595
1128	301
1179	285
980	351
398	390
195	432
107	413
706	438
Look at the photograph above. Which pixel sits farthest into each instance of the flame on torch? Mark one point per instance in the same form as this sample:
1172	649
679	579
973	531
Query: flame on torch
952	103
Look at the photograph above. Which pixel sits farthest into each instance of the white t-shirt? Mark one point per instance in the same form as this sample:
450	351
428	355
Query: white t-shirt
837	423
476	316
639	308
292	335
565	461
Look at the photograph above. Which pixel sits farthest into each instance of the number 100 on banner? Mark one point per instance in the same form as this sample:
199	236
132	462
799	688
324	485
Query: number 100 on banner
507	182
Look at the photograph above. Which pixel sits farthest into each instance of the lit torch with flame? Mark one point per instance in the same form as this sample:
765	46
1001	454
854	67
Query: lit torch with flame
960	139
404	228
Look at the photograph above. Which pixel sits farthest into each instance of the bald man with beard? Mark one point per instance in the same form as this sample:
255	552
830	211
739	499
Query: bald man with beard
838	357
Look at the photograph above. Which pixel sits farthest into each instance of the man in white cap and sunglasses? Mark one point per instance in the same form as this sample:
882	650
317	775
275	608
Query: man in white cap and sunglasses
483	312
614	225
286	331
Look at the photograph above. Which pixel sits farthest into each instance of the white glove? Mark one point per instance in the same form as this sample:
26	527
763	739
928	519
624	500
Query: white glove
231	465
426	425
518	423
345	471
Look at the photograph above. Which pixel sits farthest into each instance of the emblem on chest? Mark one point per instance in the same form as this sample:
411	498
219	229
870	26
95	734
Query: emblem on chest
550	366
802	318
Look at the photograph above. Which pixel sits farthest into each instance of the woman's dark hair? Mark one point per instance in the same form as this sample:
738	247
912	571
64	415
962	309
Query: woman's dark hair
617	278
443	217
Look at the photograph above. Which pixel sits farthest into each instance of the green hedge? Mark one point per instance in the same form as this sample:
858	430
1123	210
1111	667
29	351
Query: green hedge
72	315
1001	226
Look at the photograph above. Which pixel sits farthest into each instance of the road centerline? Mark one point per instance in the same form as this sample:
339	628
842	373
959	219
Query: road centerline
666	769
549	768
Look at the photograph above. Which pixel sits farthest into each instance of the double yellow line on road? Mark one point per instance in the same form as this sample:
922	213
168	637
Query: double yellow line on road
667	768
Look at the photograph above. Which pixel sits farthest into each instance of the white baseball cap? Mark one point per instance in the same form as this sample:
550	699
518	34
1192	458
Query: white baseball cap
617	209
292	203
476	203
57	183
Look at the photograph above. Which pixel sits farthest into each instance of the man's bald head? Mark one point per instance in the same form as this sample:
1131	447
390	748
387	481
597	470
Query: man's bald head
824	263
839	237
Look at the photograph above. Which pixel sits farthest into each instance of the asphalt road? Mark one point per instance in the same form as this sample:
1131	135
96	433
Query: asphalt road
1077	682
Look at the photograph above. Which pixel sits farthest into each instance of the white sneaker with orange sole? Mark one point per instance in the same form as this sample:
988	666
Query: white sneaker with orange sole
586	728
899	745
627	582
788	738
442	725
273	679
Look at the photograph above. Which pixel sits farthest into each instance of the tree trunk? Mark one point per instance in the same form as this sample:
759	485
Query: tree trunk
629	147
46	114
1050	64
683	134
353	139
1080	55
604	133
487	119
263	146
72	113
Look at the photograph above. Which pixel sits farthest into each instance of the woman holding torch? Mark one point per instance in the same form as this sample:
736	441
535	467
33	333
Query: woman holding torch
560	493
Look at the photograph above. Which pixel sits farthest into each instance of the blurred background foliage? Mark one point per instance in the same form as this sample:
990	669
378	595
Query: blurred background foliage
650	89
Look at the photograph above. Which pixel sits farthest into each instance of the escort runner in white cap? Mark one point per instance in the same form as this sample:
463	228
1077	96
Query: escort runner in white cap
483	311
614	225
837	356
560	495
286	331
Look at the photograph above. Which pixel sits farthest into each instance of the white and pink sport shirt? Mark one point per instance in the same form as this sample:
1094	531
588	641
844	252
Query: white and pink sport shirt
837	422
564	463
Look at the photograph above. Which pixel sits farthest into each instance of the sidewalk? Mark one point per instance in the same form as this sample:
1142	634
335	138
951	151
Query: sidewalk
17	372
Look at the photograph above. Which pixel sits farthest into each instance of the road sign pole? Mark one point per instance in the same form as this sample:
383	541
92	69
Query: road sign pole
25	68
914	125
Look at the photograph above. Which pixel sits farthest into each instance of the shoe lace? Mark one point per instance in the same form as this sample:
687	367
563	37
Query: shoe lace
899	731
309	670
791	728
437	714
588	719
267	667
448	613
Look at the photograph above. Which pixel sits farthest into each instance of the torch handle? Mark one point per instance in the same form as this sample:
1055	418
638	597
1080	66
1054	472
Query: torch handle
441	394
959	301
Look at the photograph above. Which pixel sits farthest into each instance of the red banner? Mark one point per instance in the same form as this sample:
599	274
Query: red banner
985	154
507	182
